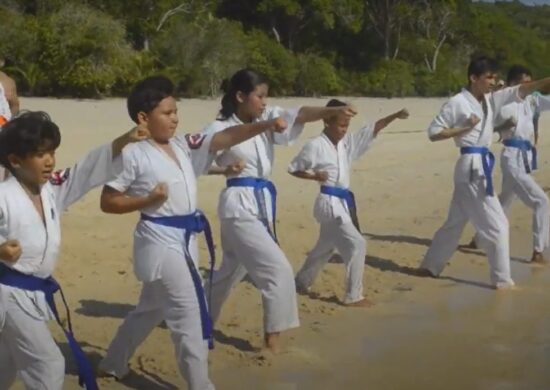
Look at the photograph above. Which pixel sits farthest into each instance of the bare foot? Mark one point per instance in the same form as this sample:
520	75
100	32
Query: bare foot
538	259
424	273
362	303
302	290
272	342
471	245
507	287
104	374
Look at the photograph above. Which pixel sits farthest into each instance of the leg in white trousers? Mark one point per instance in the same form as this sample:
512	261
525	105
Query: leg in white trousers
248	248
345	238
470	203
28	349
172	298
533	196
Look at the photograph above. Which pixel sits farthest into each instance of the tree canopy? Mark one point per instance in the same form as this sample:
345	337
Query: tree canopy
96	48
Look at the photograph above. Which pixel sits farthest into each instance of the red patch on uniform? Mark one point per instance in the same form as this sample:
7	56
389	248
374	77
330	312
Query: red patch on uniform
194	141
59	177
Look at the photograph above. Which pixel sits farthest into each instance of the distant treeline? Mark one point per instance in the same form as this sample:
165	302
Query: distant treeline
94	48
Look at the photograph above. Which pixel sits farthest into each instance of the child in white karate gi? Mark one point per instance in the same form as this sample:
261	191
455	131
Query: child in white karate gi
31	202
159	179
468	118
327	159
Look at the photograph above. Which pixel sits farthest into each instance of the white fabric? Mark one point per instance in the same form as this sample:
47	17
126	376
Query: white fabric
521	184
19	220
248	248
171	298
26	345
5	110
456	112
522	113
159	257
344	237
145	166
515	179
320	154
470	203
28	349
258	154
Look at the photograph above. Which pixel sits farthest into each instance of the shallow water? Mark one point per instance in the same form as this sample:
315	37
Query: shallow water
457	335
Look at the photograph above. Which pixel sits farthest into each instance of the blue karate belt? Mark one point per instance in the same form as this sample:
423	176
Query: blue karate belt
259	185
341	193
49	286
488	161
194	223
524	146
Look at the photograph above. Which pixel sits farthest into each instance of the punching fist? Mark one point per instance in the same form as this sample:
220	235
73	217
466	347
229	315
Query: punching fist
10	251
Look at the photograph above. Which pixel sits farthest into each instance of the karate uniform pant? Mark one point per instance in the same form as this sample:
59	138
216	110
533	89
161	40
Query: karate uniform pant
470	203
516	182
27	349
248	248
350	244
171	298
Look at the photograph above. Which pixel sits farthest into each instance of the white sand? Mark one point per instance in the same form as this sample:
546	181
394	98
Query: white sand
402	186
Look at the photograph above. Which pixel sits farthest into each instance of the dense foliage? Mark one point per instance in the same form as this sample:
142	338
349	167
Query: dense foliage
88	48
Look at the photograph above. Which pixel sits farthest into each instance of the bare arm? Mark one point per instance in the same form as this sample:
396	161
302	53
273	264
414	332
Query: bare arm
542	85
456	131
115	202
236	134
138	133
232	169
311	175
312	114
10	90
382	123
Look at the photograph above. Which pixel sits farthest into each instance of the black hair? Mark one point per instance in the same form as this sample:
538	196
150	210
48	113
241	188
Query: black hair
335	103
516	73
147	94
481	65
245	81
26	134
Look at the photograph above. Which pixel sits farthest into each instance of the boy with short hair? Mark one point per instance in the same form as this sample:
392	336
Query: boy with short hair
327	159
31	201
159	179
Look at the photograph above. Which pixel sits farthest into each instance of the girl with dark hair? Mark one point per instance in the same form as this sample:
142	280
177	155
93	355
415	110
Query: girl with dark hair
247	206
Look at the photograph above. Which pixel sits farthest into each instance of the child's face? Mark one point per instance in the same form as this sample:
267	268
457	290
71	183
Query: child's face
484	83
36	168
525	78
253	104
163	120
337	127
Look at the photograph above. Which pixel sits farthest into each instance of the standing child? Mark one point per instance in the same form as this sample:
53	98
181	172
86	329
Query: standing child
519	159
327	159
31	202
247	207
159	179
468	118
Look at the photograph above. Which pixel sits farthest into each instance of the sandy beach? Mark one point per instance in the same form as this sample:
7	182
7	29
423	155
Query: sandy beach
449	333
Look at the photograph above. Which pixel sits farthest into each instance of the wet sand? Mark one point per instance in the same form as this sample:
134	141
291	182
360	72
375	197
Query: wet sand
451	333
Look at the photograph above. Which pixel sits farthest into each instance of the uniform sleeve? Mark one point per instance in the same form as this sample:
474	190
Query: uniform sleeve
542	102
293	131
305	160
505	96
199	150
508	111
4	233
446	119
128	173
361	140
71	184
